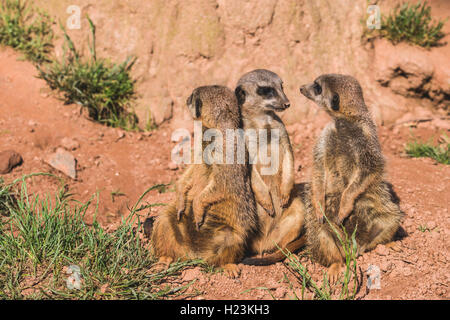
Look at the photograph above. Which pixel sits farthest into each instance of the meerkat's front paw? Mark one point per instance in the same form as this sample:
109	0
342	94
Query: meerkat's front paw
199	214
319	216
343	213
284	200
181	207
268	207
232	270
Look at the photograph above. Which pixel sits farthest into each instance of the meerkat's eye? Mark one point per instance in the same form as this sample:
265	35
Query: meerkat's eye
240	95
266	92
317	88
335	102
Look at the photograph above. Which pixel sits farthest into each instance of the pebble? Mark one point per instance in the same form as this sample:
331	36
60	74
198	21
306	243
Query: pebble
63	161
9	159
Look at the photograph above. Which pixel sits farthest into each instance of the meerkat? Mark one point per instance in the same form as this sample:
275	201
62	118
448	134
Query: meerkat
222	191
347	182
260	94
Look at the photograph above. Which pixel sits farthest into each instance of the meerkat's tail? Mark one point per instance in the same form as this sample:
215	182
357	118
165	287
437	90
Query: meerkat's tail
148	226
276	256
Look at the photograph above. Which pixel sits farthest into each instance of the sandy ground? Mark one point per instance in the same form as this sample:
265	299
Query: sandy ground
33	123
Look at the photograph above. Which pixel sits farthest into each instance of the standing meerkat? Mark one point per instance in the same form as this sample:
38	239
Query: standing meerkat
218	196
260	94
347	176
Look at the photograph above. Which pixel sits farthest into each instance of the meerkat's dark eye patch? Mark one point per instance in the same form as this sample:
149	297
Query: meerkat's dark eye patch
266	92
335	102
240	95
317	88
198	107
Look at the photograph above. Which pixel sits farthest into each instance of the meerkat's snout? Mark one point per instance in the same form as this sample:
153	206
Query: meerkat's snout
306	91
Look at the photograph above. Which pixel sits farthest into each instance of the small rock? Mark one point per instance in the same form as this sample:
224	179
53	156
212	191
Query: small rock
442	124
69	144
63	161
280	292
147	133
382	250
172	166
8	160
298	139
120	135
104	288
191	274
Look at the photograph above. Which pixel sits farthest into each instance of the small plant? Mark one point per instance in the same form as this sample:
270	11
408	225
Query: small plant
104	88
439	153
423	228
26	30
324	291
413	24
42	240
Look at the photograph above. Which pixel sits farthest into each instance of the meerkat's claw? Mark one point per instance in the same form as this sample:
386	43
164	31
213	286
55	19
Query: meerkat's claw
162	265
334	272
395	246
232	270
270	212
284	201
179	214
198	225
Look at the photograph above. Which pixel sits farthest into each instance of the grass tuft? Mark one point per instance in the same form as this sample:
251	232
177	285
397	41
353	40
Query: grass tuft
413	24
441	153
26	29
326	291
104	88
41	237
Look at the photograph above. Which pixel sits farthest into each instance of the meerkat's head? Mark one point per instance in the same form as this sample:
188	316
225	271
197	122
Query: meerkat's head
340	95
215	106
261	91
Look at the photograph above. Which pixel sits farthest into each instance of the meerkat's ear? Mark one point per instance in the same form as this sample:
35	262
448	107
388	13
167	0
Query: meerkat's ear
240	95
335	102
189	100
194	104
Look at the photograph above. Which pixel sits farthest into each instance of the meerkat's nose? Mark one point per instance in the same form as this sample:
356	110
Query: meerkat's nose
287	105
302	90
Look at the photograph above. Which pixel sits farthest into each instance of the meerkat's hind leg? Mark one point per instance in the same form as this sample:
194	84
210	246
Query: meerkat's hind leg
334	272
